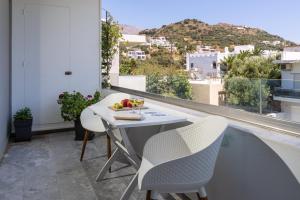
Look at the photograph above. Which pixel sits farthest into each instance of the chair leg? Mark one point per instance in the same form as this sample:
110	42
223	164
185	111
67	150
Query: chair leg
148	197
85	140
108	145
201	198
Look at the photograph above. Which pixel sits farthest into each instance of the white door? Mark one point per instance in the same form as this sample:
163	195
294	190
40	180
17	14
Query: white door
47	57
50	38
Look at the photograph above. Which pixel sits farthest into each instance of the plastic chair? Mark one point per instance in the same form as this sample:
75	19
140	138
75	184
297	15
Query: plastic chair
92	123
182	160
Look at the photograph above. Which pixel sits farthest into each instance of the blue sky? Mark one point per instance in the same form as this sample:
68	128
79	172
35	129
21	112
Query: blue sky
277	17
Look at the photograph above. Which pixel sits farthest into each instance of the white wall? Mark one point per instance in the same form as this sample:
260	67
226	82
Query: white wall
286	55
4	73
204	62
133	82
82	54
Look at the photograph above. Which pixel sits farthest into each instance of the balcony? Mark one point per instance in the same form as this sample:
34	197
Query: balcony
259	156
287	93
250	159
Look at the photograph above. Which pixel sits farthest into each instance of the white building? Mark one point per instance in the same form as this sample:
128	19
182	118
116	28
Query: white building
205	64
115	78
201	48
274	43
137	55
134	38
289	92
270	53
159	41
240	48
115	68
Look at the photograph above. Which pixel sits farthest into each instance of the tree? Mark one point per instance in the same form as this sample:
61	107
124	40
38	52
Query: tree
111	34
243	82
257	52
247	93
226	63
127	66
172	85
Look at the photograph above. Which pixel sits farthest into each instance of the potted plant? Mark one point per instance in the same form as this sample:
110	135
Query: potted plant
23	125
72	104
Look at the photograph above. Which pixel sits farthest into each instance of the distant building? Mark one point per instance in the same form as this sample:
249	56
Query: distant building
115	68
137	55
159	41
274	43
277	42
270	53
289	92
201	48
206	91
207	63
134	38
204	65
240	48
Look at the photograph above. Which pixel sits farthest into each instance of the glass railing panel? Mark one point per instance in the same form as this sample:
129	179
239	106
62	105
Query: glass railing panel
274	98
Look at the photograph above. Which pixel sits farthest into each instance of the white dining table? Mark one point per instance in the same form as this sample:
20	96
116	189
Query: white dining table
153	115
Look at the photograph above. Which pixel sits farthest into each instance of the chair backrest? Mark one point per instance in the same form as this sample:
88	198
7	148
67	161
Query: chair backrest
204	141
203	134
192	169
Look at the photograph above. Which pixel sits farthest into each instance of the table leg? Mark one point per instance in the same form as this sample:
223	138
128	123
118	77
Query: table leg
108	164
129	146
133	183
108	145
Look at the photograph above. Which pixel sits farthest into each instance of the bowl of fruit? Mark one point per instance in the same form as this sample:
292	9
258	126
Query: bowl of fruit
128	104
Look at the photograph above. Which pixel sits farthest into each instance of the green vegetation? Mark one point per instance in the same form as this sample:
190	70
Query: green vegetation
72	104
23	114
111	34
127	66
173	85
162	68
191	32
246	82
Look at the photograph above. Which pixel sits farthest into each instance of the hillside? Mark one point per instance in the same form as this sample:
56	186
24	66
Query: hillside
127	29
193	32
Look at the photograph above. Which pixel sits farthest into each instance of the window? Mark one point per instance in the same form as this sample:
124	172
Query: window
192	65
214	65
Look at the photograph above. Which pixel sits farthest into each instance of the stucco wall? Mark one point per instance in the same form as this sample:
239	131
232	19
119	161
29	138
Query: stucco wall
133	82
4	73
206	93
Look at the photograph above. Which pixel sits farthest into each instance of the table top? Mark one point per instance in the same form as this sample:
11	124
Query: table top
154	115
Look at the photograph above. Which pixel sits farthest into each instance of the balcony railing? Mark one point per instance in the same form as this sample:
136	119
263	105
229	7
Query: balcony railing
287	93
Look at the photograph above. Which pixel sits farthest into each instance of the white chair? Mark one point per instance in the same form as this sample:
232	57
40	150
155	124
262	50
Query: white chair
92	123
182	160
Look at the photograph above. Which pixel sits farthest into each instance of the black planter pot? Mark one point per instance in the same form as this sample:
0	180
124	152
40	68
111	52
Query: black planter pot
23	130
80	131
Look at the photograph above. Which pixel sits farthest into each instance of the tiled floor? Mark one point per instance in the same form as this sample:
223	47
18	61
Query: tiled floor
48	168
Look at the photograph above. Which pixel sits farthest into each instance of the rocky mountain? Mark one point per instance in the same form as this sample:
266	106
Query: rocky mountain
128	29
194	32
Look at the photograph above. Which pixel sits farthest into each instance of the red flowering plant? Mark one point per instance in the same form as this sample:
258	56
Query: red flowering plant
72	104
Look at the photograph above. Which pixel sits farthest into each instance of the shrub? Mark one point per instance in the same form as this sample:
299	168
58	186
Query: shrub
72	104
23	114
